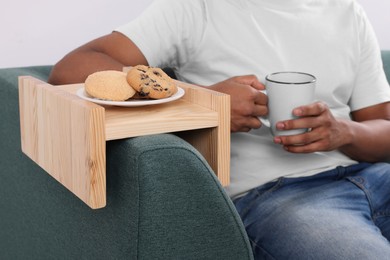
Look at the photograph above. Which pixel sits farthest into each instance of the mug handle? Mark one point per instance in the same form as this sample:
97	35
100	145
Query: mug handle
264	119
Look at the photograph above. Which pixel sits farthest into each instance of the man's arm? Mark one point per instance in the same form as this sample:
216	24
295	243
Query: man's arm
370	139
110	52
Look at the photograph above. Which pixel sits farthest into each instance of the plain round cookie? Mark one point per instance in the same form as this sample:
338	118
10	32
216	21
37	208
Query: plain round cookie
151	82
109	85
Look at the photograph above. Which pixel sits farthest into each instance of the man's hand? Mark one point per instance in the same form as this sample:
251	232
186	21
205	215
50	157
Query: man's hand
247	101
327	133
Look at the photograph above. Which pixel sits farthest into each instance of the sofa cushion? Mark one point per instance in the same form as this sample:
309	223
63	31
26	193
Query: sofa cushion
386	63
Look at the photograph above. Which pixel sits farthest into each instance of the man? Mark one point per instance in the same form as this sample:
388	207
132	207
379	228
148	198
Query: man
308	201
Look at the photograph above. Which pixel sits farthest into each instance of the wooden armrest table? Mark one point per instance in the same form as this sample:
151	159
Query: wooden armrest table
67	135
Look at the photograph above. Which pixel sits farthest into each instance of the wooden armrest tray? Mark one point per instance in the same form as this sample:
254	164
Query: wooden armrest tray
66	135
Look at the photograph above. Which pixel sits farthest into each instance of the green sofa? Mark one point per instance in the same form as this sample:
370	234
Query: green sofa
154	211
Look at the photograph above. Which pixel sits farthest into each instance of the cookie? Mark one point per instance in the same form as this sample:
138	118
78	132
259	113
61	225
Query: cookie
109	85
151	82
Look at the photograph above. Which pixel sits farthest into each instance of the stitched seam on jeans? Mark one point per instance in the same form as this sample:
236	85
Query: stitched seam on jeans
262	249
366	193
274	187
381	214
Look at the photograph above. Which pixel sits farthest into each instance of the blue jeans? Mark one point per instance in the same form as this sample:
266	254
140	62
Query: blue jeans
339	214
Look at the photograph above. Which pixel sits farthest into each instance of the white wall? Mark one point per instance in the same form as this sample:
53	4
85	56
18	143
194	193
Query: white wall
41	32
378	11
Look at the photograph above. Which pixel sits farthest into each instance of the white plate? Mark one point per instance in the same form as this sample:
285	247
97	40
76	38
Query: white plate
131	102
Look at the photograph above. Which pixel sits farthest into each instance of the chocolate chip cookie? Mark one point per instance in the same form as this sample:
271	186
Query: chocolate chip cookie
151	82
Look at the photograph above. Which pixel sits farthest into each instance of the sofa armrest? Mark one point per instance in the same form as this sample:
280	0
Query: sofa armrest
163	201
176	202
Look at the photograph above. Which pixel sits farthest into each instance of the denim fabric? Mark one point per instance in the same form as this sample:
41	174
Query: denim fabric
339	214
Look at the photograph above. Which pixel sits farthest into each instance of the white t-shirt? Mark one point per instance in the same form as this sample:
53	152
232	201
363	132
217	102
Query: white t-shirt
208	41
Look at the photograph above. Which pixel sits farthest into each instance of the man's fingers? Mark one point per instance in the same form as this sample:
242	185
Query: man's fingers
245	124
314	109
261	99
260	110
250	80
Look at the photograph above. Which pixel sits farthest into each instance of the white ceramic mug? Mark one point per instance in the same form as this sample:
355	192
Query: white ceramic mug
287	91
